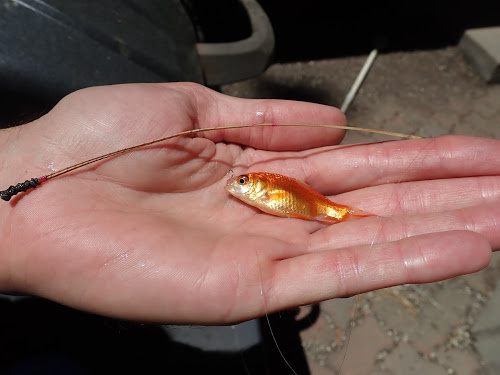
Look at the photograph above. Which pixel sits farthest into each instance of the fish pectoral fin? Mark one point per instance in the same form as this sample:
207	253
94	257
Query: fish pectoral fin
327	219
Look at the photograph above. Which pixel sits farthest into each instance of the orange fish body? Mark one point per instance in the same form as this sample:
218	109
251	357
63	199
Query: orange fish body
287	197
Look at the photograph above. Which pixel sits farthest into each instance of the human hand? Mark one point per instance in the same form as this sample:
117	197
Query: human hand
153	234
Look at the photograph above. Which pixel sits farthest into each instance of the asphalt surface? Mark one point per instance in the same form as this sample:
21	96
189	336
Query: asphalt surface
449	327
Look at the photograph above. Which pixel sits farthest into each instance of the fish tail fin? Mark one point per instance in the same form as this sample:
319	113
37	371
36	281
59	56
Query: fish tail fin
356	213
352	214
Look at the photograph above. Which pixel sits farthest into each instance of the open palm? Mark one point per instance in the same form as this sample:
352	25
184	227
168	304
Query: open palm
153	235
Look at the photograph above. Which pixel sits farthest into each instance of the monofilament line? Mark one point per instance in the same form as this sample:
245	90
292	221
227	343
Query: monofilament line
32	183
372	244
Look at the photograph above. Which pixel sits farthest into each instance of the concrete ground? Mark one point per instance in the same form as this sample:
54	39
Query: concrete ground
450	327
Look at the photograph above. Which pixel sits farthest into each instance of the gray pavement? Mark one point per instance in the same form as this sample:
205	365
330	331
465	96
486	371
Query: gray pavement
450	327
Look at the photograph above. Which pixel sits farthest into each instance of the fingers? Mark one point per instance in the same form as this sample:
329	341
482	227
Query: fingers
215	109
482	219
352	167
333	273
424	197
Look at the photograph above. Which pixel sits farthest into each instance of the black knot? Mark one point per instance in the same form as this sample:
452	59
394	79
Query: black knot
20	187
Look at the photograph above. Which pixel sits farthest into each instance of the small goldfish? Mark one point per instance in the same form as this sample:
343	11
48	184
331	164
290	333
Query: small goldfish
288	197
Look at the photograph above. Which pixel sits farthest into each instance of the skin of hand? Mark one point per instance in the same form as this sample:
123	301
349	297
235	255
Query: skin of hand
153	235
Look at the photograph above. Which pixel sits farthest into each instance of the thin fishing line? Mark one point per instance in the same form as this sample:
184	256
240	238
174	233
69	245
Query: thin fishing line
358	295
264	303
370	251
240	349
32	183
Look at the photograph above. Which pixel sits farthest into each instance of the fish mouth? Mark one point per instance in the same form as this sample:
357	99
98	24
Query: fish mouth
230	185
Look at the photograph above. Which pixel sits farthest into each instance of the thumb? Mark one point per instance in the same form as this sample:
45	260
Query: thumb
216	109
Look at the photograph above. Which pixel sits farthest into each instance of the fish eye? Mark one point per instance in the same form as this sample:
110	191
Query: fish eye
243	179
